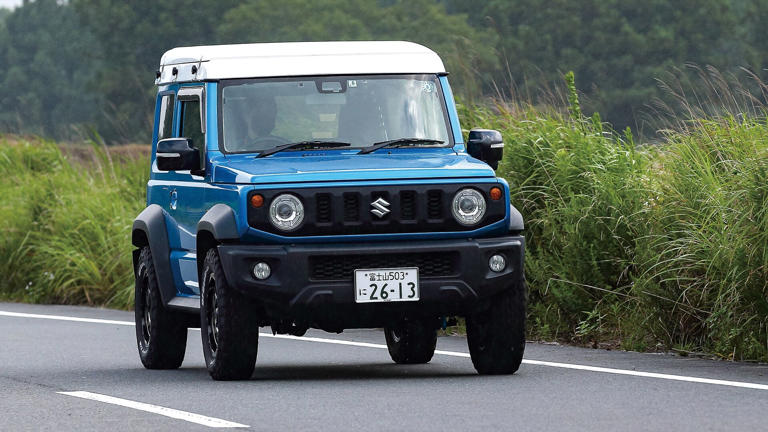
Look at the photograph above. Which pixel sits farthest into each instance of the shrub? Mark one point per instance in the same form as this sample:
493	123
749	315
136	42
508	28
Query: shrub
66	231
653	245
704	278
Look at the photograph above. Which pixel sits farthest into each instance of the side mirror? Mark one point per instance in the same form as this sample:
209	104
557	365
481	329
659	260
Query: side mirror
177	154
486	145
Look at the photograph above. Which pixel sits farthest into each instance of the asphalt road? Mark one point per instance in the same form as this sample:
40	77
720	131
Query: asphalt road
317	383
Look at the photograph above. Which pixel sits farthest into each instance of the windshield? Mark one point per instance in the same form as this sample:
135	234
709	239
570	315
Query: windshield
261	114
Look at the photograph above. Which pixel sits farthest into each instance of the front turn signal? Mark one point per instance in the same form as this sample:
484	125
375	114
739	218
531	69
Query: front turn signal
495	193
257	200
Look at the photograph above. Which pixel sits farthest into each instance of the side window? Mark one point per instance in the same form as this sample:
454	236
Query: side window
190	126
165	122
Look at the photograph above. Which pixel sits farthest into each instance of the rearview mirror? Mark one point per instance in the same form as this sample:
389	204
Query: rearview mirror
486	145
177	154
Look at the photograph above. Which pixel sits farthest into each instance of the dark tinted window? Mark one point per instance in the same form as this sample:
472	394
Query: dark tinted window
190	125
165	124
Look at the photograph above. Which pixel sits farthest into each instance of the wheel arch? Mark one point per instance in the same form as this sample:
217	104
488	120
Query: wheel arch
516	223
217	225
149	229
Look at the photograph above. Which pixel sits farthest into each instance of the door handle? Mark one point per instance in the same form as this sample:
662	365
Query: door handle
174	199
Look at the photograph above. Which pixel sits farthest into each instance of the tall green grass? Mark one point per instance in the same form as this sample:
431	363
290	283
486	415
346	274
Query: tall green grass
643	246
65	231
703	265
581	190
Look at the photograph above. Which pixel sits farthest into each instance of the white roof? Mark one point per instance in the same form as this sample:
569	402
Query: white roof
296	59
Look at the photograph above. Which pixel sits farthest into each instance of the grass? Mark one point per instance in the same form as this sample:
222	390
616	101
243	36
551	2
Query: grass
67	215
703	266
581	190
643	247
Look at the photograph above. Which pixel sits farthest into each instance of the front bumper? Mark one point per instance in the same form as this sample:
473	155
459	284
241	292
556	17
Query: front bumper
453	274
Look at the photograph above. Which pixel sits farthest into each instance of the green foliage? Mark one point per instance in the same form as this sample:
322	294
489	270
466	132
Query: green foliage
44	82
641	246
132	36
65	236
581	195
464	49
574	106
616	48
705	259
89	64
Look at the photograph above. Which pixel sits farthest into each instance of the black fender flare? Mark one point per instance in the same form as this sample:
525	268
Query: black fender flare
219	224
149	229
515	219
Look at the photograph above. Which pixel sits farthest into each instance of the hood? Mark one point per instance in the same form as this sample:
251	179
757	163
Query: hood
297	167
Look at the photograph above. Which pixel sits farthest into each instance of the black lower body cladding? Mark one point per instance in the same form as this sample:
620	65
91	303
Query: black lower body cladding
314	283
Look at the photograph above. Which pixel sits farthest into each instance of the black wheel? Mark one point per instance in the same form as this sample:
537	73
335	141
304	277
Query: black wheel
227	323
161	334
411	342
496	337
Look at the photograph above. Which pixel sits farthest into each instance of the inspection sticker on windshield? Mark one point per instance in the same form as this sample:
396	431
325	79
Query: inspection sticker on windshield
386	285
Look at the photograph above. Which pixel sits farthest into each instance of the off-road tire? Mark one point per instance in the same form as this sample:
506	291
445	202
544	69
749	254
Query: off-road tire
496	337
411	342
228	325
161	334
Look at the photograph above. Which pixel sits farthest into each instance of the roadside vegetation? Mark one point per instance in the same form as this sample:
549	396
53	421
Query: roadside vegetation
66	215
643	247
629	245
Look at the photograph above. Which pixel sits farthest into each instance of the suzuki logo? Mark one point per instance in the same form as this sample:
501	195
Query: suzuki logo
380	207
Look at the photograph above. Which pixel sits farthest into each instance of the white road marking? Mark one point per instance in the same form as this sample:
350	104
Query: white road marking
650	375
155	409
64	318
549	364
599	369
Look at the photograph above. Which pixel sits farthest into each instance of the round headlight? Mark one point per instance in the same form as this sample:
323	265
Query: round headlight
468	207
286	212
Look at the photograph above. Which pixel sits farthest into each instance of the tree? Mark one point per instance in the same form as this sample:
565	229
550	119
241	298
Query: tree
616	48
46	70
133	36
92	62
468	53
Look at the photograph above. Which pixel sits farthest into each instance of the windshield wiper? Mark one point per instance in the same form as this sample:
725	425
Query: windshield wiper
304	145
399	141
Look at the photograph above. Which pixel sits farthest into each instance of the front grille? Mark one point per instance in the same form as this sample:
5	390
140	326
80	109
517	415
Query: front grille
408	208
323	208
408	205
342	268
435	204
351	207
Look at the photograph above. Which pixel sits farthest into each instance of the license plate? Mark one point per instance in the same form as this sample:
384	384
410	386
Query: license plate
386	285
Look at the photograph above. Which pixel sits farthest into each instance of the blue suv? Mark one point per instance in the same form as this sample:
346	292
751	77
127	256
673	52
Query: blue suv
322	185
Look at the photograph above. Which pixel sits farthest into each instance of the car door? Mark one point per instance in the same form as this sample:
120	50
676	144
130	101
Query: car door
186	197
